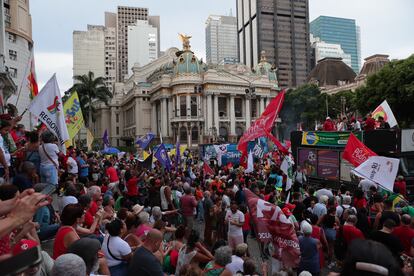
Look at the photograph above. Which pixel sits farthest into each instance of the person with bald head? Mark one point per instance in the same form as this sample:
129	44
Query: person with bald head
405	233
144	262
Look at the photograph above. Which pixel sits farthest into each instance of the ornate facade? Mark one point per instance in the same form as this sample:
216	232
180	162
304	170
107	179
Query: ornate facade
178	96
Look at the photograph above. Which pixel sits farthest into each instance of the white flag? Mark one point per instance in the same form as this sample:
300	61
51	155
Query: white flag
250	167
384	111
287	168
379	169
48	107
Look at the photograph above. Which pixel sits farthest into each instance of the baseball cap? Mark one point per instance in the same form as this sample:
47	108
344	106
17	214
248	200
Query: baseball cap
23	245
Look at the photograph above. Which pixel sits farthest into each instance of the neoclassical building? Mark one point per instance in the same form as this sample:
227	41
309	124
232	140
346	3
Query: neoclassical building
178	96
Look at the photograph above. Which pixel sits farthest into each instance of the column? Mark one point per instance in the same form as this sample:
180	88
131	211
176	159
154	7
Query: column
188	105
170	116
216	114
209	113
164	118
247	116
262	106
232	117
177	102
189	136
154	128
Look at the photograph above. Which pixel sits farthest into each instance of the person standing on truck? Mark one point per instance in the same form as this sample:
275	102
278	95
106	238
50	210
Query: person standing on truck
328	125
369	123
400	186
383	124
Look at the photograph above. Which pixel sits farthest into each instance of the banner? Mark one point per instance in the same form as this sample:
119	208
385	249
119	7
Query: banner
328	164
307	161
47	106
105	139
271	225
73	115
407	140
326	139
384	110
250	167
263	125
145	140
356	152
379	169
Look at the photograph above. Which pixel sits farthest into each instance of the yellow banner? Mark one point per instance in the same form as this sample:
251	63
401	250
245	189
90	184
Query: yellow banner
73	115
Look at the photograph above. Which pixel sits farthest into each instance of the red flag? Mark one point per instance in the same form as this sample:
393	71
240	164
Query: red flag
32	81
277	143
207	170
356	152
272	226
263	124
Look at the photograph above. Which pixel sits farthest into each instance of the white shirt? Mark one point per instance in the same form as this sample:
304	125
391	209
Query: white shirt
341	208
365	184
72	165
53	151
235	230
118	248
322	192
5	152
235	265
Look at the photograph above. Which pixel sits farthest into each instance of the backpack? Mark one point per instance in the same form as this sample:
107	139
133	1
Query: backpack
341	218
340	245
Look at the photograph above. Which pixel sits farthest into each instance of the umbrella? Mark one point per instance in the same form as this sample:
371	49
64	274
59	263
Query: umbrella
110	151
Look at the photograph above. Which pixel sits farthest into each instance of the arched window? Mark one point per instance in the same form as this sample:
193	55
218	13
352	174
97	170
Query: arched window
194	134
183	134
223	133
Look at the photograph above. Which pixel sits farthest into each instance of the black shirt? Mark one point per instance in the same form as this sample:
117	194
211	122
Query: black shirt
144	263
389	215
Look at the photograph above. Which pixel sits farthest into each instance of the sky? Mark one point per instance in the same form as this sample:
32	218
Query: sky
386	26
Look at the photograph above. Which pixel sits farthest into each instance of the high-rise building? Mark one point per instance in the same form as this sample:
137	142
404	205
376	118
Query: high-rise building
142	44
89	51
18	46
128	16
221	38
110	50
281	29
342	31
327	50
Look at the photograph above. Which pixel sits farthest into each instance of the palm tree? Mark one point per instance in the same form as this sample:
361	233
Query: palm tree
90	89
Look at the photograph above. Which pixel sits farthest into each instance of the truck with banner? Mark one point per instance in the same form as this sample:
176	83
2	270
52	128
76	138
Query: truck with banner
319	153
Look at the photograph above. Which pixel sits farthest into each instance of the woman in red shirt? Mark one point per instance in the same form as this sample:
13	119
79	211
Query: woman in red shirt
246	226
359	199
71	215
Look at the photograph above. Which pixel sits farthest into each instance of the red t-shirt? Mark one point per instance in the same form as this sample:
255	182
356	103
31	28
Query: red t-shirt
360	203
369	124
351	233
402	187
59	246
188	203
132	186
112	174
405	234
90	213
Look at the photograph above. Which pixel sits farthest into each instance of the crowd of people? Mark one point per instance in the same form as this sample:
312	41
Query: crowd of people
344	124
114	216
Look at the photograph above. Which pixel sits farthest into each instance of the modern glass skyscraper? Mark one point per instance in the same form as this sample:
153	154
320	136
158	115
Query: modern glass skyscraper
341	31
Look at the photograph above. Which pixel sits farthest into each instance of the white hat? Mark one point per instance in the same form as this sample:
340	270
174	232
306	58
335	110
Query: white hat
306	227
136	209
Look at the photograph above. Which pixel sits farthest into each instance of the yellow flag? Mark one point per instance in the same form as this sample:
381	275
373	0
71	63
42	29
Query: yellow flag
145	154
73	115
89	139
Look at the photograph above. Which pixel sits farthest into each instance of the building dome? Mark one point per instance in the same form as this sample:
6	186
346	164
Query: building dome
331	72
265	68
187	62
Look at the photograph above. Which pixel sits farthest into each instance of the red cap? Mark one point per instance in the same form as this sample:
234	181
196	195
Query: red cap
23	245
290	206
286	211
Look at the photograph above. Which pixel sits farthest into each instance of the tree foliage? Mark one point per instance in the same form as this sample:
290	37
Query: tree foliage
394	83
90	89
340	104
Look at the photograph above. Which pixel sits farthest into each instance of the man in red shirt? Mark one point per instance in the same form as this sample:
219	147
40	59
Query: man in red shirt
113	177
405	233
328	125
132	187
188	203
350	232
400	186
95	193
369	123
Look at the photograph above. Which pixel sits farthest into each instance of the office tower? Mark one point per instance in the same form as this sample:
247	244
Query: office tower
221	38
342	31
18	50
323	50
89	51
128	16
142	44
110	50
281	29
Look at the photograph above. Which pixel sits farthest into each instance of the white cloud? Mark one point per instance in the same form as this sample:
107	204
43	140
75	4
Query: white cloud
49	63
